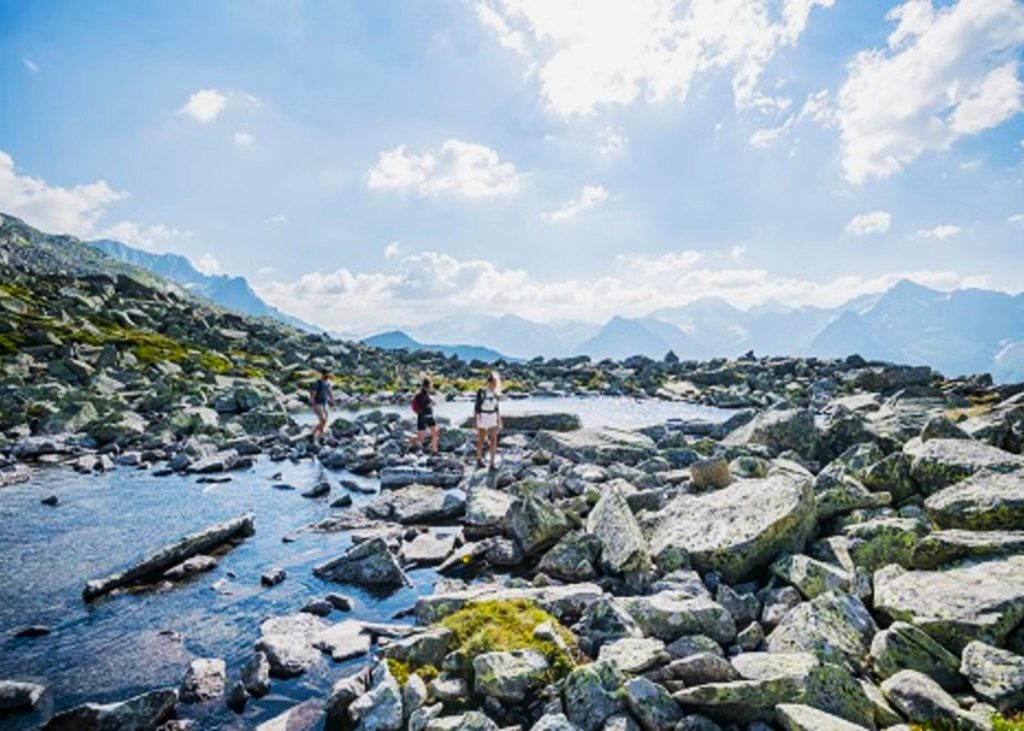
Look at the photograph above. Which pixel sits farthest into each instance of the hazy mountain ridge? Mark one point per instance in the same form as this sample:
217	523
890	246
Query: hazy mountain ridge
964	331
232	292
398	340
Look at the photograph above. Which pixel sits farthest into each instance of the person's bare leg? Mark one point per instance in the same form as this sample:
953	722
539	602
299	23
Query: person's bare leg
434	438
480	434
494	445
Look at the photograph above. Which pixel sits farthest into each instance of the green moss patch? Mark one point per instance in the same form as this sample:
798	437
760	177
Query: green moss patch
506	626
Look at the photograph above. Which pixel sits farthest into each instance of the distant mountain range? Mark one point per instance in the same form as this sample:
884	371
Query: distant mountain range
234	293
965	331
397	340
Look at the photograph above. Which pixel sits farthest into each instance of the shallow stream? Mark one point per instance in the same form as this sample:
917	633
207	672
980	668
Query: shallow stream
116	647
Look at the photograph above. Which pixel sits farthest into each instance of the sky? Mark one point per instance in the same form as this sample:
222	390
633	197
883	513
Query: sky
377	164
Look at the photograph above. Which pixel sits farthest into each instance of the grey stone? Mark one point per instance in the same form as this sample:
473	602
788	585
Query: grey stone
652	705
204	680
509	676
741	528
369	564
836	627
996	675
905	647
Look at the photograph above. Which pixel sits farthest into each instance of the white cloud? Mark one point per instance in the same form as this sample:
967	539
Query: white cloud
243	139
941	232
1016	219
392	250
875	222
130	232
737	252
611	142
588	54
431	284
30	65
816	107
456	169
205	105
947	72
52	208
494	21
266	270
207	264
277	219
590	196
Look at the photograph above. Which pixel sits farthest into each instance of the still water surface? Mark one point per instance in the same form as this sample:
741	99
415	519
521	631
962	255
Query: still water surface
119	646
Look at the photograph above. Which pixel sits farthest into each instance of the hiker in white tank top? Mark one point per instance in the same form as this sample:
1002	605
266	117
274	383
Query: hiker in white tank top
488	418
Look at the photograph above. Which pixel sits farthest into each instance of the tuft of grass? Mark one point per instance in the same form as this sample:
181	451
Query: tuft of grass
1012	723
402	671
506	626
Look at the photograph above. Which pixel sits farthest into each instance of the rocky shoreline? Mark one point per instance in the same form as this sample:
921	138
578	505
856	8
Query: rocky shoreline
845	550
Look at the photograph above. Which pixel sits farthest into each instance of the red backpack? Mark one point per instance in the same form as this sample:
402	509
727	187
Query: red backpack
416	404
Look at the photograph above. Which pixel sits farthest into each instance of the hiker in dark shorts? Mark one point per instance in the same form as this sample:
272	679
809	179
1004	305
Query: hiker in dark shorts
320	398
423	406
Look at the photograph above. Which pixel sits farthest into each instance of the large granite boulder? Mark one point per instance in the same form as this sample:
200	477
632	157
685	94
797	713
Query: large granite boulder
738	529
982	601
984	501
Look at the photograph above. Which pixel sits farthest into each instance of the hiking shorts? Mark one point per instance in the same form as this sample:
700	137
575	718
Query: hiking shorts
425	422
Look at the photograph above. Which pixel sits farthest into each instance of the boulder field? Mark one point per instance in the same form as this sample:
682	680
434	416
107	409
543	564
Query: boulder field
842	550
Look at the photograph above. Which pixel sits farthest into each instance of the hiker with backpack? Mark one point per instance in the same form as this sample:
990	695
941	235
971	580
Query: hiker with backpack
423	407
320	397
487	417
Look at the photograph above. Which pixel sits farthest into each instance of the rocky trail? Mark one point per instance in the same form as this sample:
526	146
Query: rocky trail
843	549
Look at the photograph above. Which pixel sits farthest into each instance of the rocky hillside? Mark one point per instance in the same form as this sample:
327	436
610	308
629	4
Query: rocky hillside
233	293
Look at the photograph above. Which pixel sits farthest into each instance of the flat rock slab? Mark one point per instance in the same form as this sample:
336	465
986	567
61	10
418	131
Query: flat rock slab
565	602
600	446
401	476
797	717
417	503
534	422
740	528
428	548
939	463
982	601
141	712
944	547
984	501
172	555
670	614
